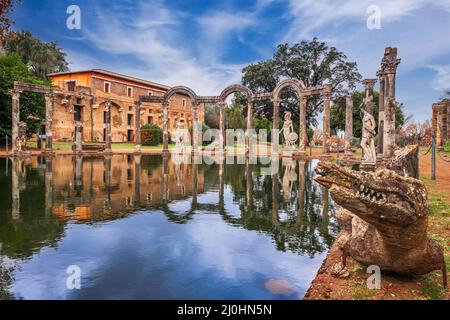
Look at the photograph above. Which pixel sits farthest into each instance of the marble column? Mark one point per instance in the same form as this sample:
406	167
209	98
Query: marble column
276	127
301	192
326	96
303	137
348	124
49	104
222	106
108	105
137	136
15	94
165	128
381	118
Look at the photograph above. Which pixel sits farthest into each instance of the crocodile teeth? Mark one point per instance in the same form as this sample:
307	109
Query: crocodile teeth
361	188
372	192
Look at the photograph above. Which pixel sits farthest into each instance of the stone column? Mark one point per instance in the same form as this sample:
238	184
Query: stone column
303	137
15	94
165	128
196	137
381	118
49	102
222	106
249	124
389	115
108	105
137	137
326	96
78	139
301	192
276	127
348	125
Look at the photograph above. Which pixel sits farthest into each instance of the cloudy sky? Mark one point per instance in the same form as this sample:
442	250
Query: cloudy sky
205	44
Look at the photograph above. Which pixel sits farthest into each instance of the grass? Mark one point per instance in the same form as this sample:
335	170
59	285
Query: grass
430	289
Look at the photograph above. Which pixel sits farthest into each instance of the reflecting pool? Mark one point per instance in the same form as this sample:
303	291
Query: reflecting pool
144	227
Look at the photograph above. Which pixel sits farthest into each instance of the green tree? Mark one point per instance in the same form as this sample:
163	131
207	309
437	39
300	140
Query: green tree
32	105
338	113
261	122
312	62
42	58
235	118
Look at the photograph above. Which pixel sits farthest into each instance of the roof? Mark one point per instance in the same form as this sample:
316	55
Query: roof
114	74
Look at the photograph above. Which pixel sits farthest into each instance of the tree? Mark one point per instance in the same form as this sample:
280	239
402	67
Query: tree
6	6
42	58
338	113
235	115
32	105
312	62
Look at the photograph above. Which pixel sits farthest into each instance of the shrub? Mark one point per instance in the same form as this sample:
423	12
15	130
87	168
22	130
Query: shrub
151	135
447	147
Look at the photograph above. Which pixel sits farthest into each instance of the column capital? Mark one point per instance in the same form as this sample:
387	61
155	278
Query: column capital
276	101
15	93
326	91
369	84
138	103
222	104
304	99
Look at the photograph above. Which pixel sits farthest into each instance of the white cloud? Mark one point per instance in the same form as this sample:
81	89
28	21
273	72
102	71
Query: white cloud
442	80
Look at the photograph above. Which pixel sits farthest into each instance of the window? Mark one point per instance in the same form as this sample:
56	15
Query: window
105	115
71	85
129	92
107	87
150	93
150	120
130	119
77	113
184	102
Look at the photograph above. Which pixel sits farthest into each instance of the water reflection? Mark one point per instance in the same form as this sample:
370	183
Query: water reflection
52	199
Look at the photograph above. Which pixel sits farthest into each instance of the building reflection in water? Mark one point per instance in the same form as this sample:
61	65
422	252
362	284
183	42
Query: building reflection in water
288	204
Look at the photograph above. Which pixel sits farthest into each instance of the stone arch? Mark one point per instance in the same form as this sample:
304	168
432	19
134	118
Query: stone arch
295	84
182	90
236	88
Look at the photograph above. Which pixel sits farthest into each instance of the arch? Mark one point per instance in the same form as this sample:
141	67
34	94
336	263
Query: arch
182	90
295	84
236	88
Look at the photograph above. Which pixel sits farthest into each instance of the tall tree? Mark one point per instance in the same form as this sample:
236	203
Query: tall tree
338	113
32	106
6	6
312	62
42	58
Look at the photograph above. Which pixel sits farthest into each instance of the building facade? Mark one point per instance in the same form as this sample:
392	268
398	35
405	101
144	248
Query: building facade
81	97
441	121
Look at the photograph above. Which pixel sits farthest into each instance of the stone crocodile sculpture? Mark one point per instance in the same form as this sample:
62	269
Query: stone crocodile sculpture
383	219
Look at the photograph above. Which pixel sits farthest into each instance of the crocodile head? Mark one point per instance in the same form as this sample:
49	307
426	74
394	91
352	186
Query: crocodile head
378	198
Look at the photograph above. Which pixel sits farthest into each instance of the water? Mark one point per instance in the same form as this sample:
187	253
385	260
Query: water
147	228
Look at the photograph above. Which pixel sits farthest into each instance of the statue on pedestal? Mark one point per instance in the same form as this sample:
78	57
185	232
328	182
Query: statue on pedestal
368	138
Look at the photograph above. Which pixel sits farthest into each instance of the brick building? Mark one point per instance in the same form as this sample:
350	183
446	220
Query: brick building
82	96
441	121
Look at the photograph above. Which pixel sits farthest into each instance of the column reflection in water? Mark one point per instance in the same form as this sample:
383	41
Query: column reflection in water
301	215
221	187
107	184
16	187
137	180
275	193
194	182
48	186
325	210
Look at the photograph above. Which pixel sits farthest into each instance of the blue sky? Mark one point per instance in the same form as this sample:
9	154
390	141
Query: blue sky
205	44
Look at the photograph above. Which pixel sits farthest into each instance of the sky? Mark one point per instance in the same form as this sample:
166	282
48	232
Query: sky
206	44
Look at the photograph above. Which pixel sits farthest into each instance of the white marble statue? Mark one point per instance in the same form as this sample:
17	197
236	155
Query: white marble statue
290	137
368	138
